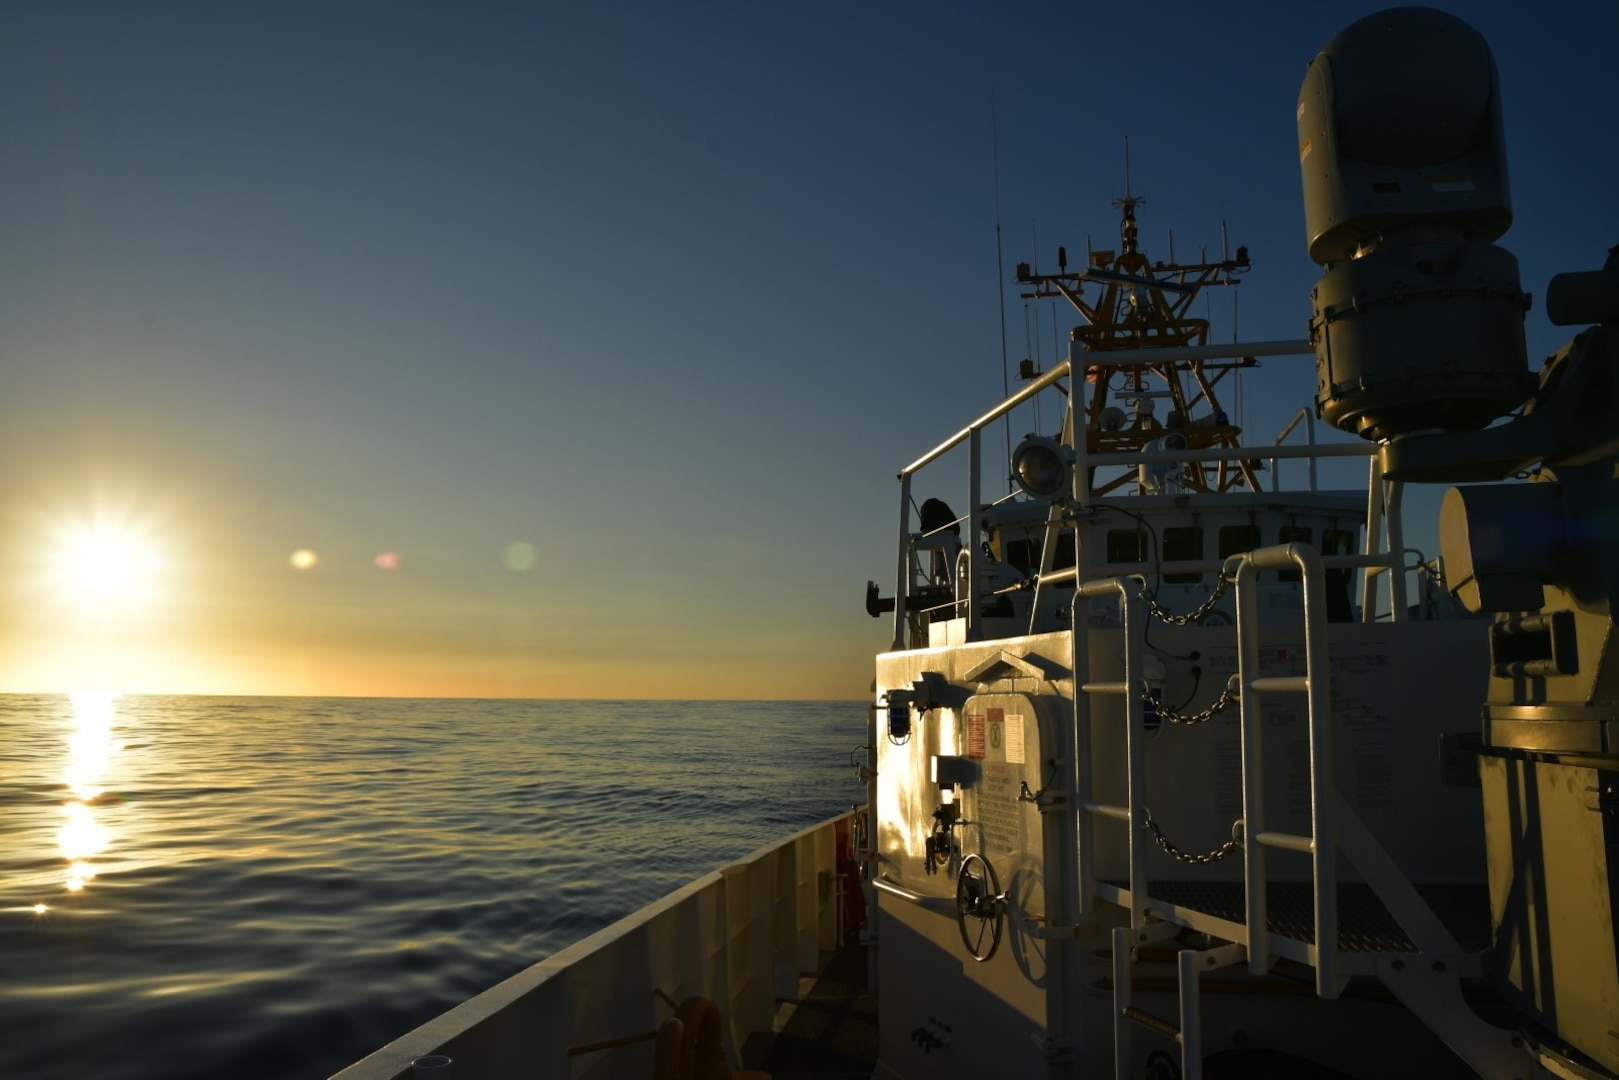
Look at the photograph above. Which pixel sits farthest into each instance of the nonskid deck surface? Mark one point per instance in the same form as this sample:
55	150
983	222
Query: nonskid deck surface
830	1031
1364	924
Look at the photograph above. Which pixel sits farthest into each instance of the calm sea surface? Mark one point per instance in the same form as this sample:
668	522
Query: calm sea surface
274	887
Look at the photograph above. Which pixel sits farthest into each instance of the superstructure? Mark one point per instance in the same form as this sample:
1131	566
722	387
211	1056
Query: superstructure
1176	776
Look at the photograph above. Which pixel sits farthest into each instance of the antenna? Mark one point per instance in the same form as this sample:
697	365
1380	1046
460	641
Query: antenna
1129	203
1056	342
1000	274
1225	246
1031	349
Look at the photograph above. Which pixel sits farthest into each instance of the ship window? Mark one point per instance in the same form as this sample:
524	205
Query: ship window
1183	543
1065	553
1021	553
1237	539
1340	608
1294	534
1338	542
1126	545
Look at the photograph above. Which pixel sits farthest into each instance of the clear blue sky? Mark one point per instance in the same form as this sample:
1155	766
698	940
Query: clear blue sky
611	324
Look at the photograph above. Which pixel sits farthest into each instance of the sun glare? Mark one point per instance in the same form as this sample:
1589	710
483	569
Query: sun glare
107	570
91	747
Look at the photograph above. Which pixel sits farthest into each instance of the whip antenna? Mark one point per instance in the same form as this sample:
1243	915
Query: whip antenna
1000	286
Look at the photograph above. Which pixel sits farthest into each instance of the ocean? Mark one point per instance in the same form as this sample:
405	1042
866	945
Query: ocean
274	887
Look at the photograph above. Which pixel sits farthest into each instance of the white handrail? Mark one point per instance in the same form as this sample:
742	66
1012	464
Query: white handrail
1322	843
1133	616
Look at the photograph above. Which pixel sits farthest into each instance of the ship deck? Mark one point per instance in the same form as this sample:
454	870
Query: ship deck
830	1031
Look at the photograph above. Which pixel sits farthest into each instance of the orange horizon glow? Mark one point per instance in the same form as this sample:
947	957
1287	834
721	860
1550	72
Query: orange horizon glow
157	603
279	664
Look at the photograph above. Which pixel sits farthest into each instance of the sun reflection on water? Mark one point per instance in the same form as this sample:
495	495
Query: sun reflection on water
90	750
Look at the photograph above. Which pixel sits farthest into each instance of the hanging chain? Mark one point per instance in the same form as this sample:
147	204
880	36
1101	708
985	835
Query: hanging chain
1228	697
1187	857
1221	584
1230	694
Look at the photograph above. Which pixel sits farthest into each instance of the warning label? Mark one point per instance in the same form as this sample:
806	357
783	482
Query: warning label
975	735
1014	739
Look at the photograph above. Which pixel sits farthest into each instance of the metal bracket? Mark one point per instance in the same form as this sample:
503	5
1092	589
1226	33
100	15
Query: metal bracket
1433	993
1065	931
1044	801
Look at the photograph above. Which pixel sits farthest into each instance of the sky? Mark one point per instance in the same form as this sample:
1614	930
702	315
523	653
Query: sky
557	350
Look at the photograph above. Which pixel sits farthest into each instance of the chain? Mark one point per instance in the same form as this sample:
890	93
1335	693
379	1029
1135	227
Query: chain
1220	586
1196	860
1228	697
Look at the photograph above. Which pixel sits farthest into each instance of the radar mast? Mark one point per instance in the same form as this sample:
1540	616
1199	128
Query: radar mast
1138	304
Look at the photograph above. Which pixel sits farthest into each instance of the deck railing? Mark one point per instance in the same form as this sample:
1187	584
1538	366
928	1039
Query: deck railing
1382	552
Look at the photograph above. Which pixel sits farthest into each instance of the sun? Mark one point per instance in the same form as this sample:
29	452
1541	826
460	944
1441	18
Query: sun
106	569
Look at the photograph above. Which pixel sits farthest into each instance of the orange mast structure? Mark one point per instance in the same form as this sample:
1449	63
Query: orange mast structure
1144	305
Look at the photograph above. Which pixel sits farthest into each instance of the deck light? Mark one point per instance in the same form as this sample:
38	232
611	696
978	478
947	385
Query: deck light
1043	467
899	716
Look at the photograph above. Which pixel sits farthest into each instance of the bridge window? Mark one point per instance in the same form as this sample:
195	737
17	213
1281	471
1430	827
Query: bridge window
1338	541
1183	543
1126	545
1237	539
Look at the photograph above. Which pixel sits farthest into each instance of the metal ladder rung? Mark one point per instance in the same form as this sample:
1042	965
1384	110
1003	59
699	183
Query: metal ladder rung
1188	1033
1152	1022
1291	841
1298	684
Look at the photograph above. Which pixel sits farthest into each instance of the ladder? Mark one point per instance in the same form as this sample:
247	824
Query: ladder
1430	989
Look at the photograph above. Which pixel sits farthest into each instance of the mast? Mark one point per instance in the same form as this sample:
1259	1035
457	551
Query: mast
1136	303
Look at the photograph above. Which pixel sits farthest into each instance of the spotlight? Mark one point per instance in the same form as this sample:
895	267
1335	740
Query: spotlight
1043	468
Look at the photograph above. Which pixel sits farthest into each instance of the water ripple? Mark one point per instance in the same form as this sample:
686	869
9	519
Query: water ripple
278	886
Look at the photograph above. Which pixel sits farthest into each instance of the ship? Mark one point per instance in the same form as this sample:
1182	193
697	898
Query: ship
1174	772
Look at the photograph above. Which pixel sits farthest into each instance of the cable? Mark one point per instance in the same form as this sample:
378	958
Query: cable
1158	575
1197	679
